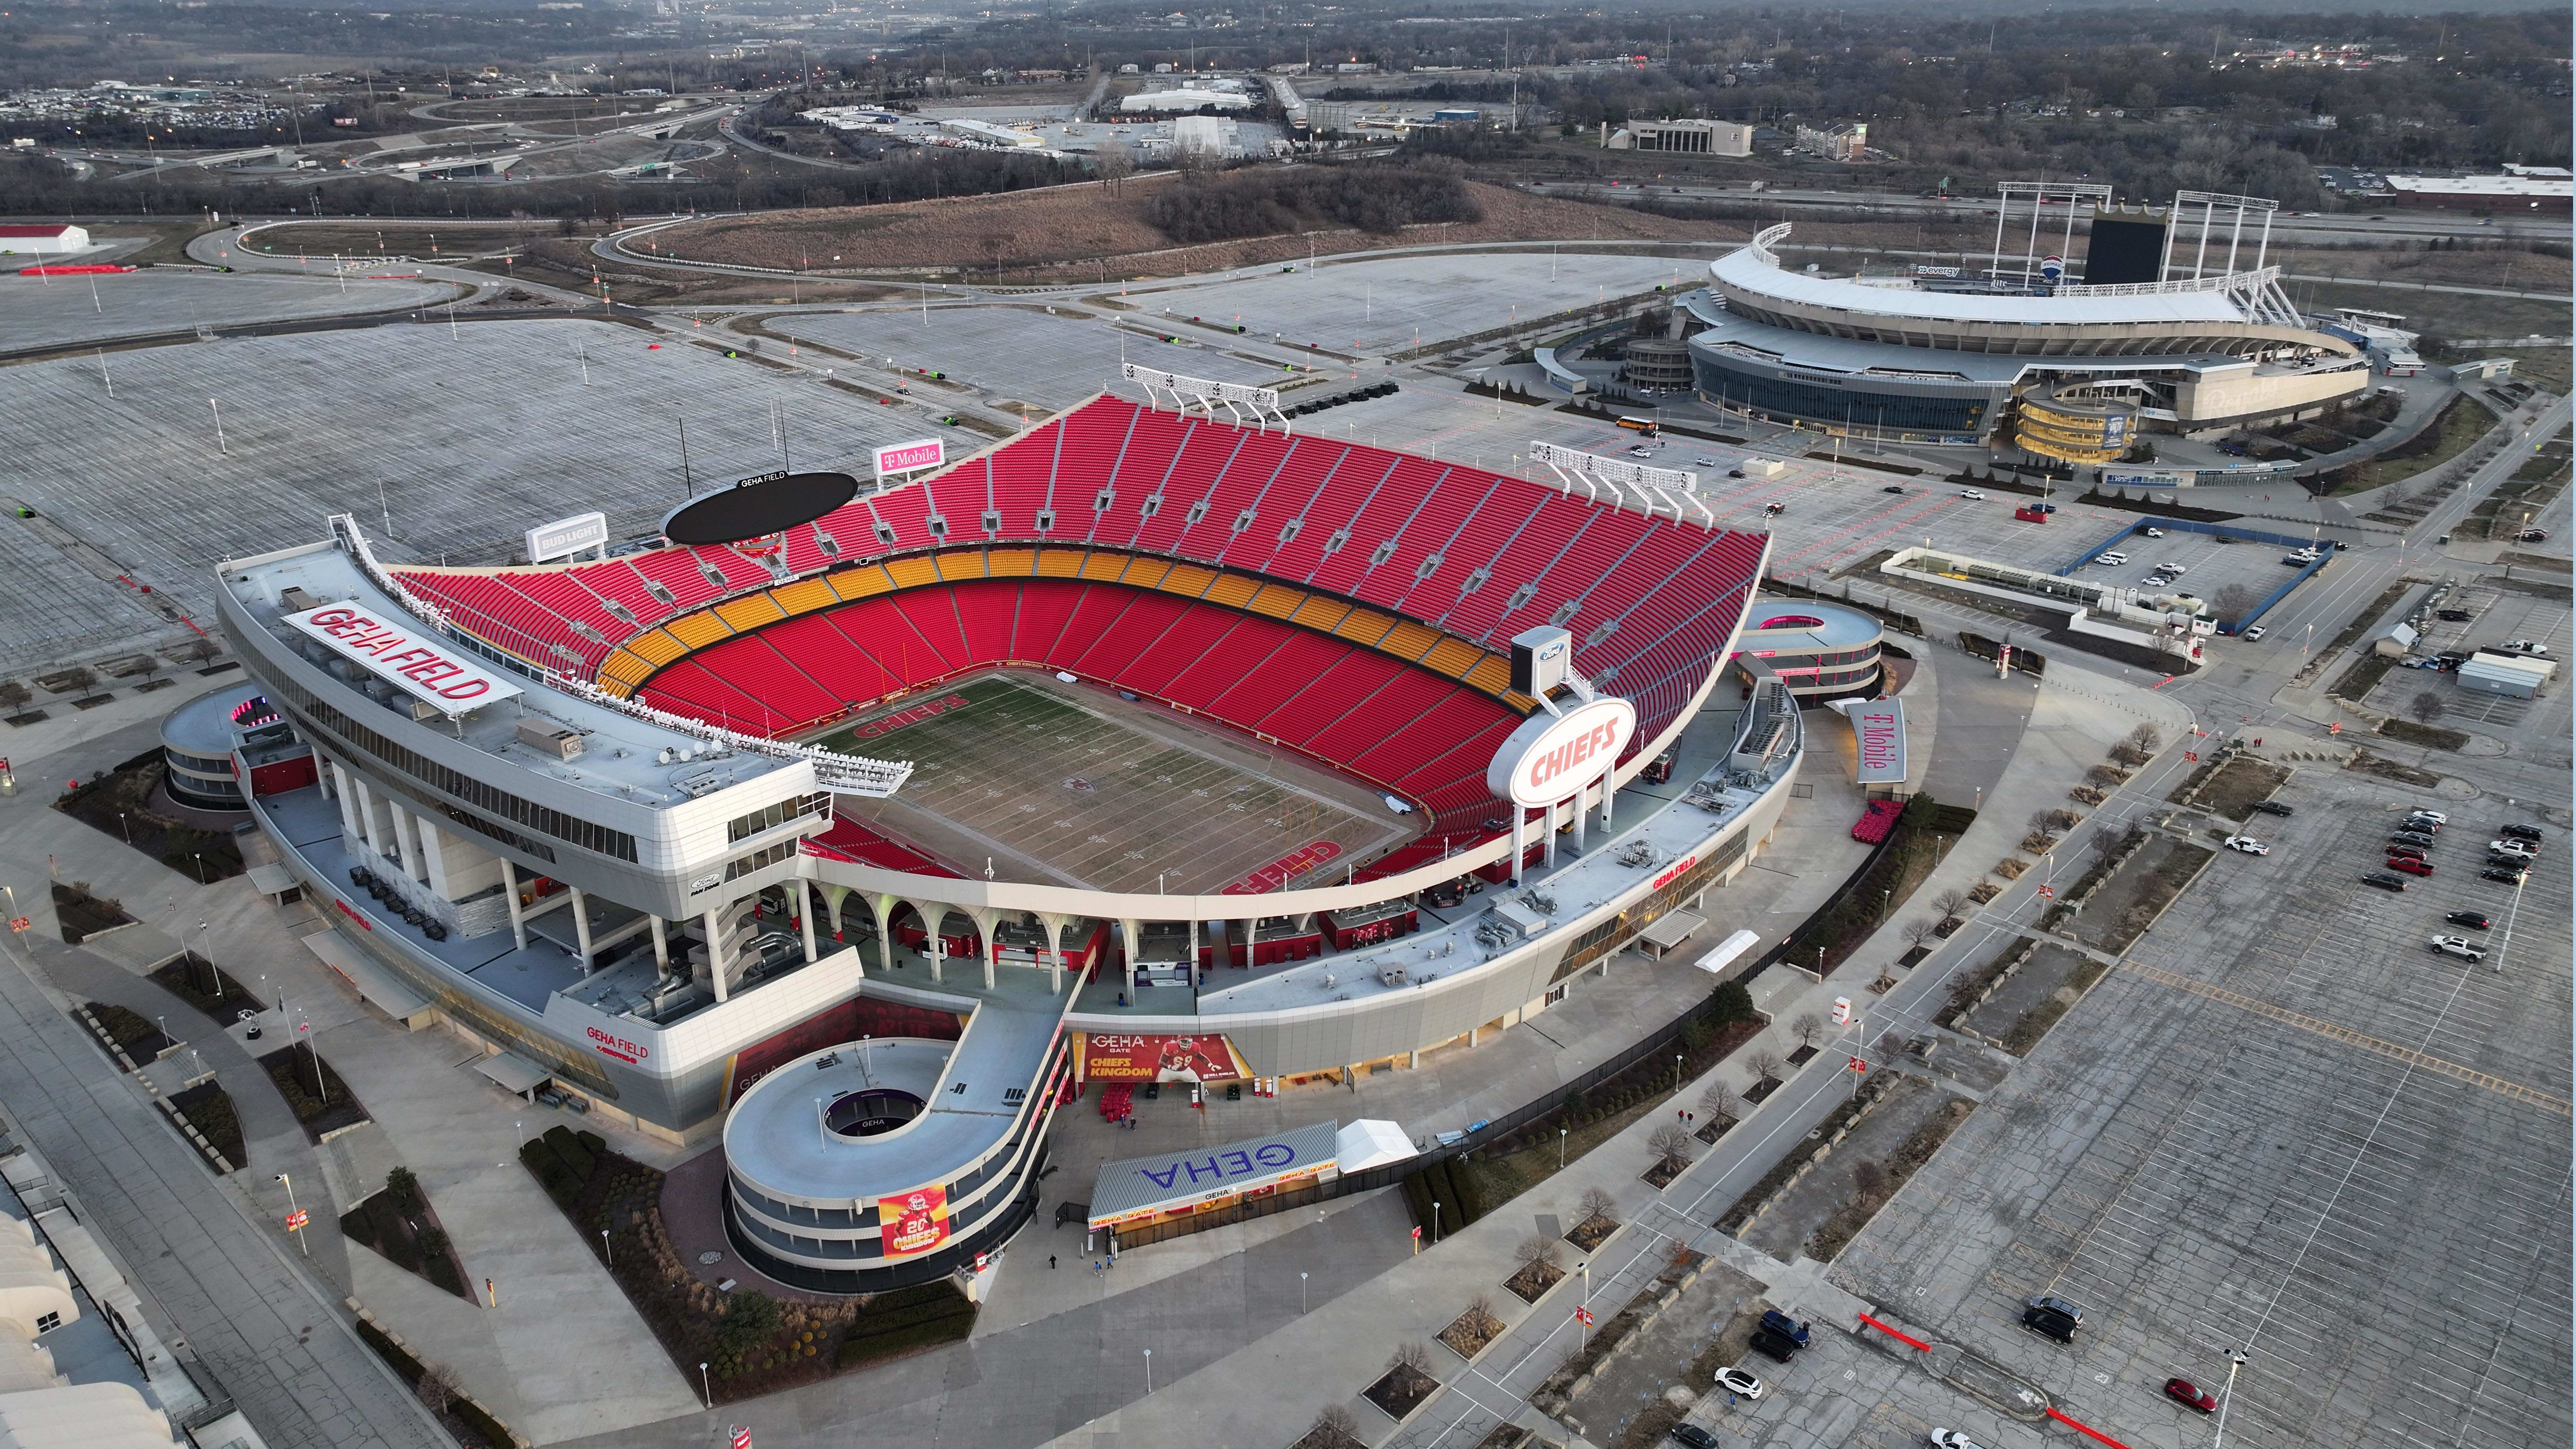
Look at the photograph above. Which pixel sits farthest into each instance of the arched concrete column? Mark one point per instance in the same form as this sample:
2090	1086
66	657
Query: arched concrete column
933	914
990	946
805	915
1055	925
1130	933
883	907
836	900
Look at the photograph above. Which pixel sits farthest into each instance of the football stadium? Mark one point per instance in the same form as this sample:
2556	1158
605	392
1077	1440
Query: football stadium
866	825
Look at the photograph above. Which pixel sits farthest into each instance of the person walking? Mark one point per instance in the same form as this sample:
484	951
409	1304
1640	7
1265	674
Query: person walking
1050	1262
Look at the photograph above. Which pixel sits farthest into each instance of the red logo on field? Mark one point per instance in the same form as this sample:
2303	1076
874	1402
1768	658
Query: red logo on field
352	915
915	715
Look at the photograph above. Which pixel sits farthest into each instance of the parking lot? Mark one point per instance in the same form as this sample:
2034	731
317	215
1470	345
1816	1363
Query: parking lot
1024	352
1384	303
2208	566
2496	616
2285	1125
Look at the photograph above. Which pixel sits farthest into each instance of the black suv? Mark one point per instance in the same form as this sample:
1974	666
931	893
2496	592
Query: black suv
2390	880
2049	1323
2519	832
2271	807
1771	1343
2471	919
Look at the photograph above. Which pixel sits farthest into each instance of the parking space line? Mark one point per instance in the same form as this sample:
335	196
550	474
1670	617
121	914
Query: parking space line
2558	1106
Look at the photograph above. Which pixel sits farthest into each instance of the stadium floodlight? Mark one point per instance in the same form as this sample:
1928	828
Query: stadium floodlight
1204	395
1653	489
2036	196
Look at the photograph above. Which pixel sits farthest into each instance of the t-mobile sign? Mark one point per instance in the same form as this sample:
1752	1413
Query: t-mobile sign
912	457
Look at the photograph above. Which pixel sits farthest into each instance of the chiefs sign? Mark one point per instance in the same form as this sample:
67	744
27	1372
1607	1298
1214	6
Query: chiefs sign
1117	1057
1551	757
913	1222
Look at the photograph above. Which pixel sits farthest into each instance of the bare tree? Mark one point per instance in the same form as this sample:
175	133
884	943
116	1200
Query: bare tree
2146	737
1721	1101
1952	902
1671	1144
2041	822
1595	1203
14	694
1537	1248
2426	706
1481	1309
2103	777
1869	1183
438	1387
1113	166
1766	1065
1809	1028
2234	601
1336	1420
1916	932
2102	841
1412	1354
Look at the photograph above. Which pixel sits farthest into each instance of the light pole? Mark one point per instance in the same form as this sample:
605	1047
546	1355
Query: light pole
1149	1371
1301	1292
704	1392
605	1257
1560	1149
1435	1222
1677	1074
292	1213
2235	1361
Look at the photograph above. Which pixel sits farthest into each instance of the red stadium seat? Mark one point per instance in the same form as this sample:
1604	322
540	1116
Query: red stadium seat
1651	601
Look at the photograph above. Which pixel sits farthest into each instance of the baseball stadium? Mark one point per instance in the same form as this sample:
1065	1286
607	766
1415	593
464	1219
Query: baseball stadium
2156	328
863	826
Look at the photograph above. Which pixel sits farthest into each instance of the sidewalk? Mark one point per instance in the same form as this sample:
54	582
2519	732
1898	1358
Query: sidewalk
1341	1348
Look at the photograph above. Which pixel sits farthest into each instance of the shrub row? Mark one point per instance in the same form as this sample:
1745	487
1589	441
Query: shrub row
563	1161
492	1431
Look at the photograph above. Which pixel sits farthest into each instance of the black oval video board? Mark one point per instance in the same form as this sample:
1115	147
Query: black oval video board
758	506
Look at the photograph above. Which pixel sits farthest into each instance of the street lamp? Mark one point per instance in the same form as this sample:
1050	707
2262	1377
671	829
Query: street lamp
2235	1361
1435	1222
1301	1292
704	1392
1560	1149
1677	1073
291	1212
1149	1371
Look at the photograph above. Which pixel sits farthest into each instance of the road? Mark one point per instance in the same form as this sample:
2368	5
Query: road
269	1333
2392	225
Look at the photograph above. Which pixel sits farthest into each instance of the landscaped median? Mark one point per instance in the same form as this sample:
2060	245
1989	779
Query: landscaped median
751	1343
1482	1179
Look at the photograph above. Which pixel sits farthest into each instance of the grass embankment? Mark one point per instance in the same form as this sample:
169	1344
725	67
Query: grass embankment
2461	422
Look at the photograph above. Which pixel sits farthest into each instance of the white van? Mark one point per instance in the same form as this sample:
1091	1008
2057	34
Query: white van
2113	559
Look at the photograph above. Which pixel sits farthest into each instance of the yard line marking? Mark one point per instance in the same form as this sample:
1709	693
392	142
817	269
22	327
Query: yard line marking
2440	1066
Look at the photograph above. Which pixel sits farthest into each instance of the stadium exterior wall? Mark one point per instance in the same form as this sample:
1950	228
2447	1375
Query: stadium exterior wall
1514	985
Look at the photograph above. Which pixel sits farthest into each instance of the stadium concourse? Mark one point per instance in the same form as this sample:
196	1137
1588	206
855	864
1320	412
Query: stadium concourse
1239	720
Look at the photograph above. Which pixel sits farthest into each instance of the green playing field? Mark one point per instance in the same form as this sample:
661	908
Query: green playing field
1071	793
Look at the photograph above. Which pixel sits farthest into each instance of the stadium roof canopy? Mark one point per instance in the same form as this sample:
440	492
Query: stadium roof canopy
1753	270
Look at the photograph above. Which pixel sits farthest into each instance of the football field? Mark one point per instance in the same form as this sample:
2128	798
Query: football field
1108	795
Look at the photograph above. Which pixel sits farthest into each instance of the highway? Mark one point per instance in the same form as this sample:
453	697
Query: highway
2394	224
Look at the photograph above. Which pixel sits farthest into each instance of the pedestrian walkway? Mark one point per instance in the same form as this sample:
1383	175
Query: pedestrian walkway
274	1341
